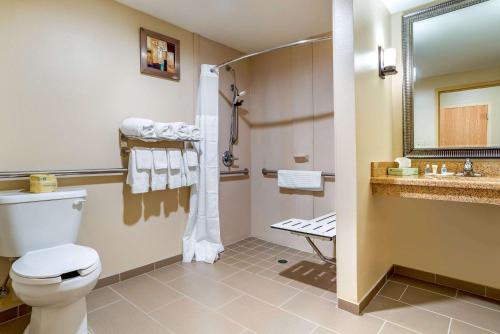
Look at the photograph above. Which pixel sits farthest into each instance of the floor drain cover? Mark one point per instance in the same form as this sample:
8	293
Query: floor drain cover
282	261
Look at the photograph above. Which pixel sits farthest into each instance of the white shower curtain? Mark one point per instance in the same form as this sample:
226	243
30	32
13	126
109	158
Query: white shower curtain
201	240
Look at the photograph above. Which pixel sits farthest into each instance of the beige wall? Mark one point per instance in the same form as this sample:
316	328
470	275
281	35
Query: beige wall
291	114
234	191
68	79
452	239
363	122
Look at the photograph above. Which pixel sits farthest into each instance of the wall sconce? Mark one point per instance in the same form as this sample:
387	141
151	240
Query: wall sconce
386	62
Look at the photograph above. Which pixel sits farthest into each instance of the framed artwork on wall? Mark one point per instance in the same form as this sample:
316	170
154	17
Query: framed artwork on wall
160	55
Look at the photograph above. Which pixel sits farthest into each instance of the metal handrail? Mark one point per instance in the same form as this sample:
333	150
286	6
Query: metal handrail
272	171
89	172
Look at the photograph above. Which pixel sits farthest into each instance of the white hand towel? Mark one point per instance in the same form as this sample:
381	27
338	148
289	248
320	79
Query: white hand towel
137	179
175	166
184	172
191	157
300	179
144	158
159	172
170	131
190	167
138	127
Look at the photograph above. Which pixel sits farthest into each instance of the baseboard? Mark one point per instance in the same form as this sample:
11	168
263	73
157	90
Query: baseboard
358	308
450	282
23	309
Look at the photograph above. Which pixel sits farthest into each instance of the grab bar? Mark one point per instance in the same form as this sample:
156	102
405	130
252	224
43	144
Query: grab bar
273	172
234	172
89	172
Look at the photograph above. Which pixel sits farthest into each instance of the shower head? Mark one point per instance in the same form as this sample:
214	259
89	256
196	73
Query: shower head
242	93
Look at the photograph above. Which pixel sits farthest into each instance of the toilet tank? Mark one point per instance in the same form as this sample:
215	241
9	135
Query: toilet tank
33	221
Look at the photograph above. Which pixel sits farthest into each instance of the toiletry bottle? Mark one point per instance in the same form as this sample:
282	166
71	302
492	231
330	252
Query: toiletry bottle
444	170
427	169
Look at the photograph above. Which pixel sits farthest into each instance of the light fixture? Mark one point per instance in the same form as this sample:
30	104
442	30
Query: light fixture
386	62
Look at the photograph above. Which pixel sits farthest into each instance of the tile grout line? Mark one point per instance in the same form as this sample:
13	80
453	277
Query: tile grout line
393	323
381	327
446	316
406	288
106	305
277	307
449	326
196	302
457	299
144	312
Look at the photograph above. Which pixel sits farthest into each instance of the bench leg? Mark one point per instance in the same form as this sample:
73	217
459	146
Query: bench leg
324	258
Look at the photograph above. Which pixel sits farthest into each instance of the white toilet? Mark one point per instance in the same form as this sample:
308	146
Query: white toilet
53	275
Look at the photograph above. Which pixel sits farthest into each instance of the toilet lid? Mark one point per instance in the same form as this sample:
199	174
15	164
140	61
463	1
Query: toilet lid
55	261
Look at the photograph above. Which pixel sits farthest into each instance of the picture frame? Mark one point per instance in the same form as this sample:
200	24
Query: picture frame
160	55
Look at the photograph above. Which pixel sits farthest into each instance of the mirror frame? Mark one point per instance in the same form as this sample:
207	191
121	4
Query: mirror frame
409	149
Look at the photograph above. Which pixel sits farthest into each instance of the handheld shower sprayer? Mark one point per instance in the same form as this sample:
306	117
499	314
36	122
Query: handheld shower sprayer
228	157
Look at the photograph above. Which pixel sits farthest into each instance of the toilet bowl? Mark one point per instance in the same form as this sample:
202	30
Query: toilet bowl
54	282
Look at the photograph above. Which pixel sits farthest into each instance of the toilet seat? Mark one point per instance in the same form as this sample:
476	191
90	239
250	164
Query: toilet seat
55	264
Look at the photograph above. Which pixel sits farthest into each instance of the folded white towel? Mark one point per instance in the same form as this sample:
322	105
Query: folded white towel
175	166
137	179
138	127
160	159
143	158
159	172
191	157
190	167
171	131
300	179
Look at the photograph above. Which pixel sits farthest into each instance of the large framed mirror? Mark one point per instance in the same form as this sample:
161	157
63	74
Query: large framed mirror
451	80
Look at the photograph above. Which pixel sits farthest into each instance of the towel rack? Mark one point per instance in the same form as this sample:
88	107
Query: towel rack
124	149
90	172
274	172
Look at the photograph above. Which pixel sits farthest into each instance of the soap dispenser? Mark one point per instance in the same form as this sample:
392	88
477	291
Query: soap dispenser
427	169
444	170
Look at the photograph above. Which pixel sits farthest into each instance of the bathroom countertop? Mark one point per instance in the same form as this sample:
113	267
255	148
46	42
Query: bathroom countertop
451	188
480	182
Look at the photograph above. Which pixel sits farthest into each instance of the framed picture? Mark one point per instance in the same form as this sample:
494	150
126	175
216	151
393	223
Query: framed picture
160	55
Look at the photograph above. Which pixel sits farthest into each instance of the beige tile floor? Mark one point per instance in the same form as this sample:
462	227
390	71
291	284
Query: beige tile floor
244	293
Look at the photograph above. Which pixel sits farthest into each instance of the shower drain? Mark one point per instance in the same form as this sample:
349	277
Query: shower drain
282	261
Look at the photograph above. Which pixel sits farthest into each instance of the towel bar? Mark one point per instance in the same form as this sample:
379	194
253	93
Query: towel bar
273	171
89	172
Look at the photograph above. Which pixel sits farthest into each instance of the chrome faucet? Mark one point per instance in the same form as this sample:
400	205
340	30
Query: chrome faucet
469	169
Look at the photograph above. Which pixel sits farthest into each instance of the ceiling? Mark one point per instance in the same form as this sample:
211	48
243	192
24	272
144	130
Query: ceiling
395	6
460	41
245	25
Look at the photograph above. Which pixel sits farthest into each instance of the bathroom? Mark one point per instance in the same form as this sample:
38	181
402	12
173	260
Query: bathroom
414	254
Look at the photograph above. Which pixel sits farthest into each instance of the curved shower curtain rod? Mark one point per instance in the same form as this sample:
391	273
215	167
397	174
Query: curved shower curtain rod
304	41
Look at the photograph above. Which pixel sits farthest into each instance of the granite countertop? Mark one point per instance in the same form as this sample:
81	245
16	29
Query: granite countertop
491	183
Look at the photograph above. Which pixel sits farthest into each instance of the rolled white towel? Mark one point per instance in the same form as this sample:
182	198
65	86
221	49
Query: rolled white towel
138	127
170	131
194	132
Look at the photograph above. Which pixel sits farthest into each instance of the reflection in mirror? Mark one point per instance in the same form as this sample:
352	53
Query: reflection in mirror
456	78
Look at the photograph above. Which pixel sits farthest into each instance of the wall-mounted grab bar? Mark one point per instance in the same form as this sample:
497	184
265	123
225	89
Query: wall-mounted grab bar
273	172
234	172
89	172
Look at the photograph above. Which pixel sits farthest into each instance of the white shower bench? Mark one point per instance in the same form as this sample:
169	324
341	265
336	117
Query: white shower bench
323	228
